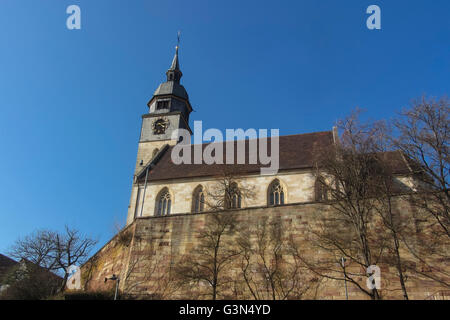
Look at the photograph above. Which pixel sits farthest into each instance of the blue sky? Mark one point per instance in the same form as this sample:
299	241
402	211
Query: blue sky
71	100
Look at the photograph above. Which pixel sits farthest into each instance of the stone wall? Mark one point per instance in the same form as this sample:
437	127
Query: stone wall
158	243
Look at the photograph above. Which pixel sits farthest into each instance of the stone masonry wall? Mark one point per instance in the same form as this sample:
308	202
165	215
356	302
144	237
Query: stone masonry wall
167	239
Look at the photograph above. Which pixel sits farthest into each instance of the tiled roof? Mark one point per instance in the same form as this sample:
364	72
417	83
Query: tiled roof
5	264
399	163
296	152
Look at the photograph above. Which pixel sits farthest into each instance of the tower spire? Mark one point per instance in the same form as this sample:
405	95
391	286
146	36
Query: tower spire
174	73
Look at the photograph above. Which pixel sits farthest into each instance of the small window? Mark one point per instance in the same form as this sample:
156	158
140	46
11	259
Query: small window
162	104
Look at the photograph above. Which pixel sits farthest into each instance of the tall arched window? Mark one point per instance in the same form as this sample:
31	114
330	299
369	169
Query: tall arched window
320	191
198	200
233	198
276	193
163	203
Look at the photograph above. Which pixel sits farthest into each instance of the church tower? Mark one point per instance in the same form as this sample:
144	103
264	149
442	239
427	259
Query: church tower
169	109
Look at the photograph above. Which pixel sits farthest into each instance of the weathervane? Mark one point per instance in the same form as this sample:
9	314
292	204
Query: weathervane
178	40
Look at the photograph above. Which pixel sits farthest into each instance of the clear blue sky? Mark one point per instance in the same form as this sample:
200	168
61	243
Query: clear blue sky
71	101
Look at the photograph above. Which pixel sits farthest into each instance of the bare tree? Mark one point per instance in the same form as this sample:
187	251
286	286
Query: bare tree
228	192
54	251
164	284
269	263
429	249
385	188
207	263
344	173
366	226
395	225
151	270
70	248
36	248
425	139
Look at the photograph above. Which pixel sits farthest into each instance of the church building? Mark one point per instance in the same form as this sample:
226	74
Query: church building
168	204
162	188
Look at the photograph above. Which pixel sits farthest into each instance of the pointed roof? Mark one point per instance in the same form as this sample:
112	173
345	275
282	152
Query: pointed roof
172	86
174	73
175	63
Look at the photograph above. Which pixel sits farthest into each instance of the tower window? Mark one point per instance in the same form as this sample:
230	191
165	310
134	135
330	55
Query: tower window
276	193
164	202
162	104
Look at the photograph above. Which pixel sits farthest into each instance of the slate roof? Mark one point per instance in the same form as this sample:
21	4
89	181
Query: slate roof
171	88
175	63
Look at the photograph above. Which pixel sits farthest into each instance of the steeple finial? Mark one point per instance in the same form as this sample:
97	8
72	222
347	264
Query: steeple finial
178	40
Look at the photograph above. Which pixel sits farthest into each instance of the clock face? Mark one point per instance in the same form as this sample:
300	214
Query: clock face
160	126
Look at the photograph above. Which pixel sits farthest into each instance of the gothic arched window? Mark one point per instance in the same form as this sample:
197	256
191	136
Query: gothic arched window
198	200
320	191
276	193
233	198
163	203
